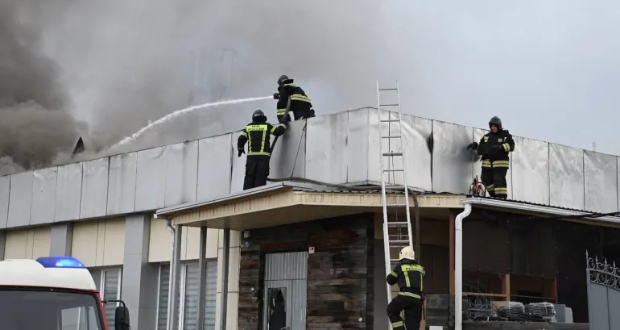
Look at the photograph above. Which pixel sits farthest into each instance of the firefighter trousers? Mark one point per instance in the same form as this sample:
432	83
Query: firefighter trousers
256	171
494	179
413	313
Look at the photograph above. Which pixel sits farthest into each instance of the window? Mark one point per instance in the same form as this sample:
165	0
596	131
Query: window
108	283
27	308
187	298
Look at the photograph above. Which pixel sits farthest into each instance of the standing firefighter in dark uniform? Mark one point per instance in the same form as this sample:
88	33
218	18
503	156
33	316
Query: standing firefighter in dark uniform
410	278
257	134
494	148
292	98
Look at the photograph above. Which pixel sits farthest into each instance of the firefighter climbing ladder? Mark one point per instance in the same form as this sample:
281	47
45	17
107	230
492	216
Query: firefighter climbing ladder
396	233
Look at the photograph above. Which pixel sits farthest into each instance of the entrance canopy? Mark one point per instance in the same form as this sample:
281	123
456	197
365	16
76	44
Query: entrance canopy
289	202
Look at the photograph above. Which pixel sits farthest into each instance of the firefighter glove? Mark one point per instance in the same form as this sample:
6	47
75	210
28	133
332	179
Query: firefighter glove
276	96
241	151
473	145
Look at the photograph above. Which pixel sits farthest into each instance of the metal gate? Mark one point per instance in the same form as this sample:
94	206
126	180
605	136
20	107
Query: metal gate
603	293
285	291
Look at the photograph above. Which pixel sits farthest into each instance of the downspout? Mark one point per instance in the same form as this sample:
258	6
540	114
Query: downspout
458	267
172	278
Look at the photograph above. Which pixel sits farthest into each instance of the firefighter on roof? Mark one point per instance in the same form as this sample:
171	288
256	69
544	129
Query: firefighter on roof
410	278
292	98
494	148
257	134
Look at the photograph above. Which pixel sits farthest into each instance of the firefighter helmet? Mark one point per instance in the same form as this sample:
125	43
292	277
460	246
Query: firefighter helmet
282	79
259	116
495	121
407	253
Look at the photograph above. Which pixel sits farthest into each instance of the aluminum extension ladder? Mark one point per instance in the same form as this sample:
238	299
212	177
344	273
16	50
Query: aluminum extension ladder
396	233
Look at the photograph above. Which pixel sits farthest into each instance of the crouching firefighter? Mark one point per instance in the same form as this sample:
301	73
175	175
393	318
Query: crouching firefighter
494	148
292	98
410	277
259	149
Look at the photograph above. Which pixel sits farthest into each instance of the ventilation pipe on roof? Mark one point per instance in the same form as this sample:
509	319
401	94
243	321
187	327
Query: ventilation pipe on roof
458	267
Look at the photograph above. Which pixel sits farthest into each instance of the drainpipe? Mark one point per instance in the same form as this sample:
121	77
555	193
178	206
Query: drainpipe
174	274
458	267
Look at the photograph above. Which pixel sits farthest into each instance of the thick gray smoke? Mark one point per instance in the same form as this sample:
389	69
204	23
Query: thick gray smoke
130	62
35	124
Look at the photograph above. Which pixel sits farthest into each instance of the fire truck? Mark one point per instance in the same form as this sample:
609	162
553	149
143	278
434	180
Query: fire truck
53	293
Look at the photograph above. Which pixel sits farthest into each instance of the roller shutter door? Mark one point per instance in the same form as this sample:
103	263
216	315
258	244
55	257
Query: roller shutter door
211	290
108	282
189	295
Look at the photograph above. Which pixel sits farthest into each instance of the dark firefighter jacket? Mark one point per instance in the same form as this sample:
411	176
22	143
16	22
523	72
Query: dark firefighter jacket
258	137
410	278
296	95
498	158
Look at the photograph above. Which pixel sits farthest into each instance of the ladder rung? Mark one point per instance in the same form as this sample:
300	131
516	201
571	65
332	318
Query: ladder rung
389	105
391	137
396	205
388	89
398	170
396	224
391	154
388	120
394	261
399	241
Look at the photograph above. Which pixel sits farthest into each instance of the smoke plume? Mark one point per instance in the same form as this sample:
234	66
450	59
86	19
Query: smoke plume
35	124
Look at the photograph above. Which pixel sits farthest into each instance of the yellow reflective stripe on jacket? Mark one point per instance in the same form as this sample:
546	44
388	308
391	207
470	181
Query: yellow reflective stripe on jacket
506	147
258	153
501	163
486	163
300	97
409	294
394	274
398	324
281	111
262	144
244	133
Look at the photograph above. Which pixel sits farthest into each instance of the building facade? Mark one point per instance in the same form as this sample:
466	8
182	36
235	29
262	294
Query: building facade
101	211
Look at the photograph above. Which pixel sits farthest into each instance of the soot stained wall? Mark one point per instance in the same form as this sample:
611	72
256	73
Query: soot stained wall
340	273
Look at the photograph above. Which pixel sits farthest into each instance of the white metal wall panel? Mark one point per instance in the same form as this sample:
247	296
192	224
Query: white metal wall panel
151	179
286	266
122	183
238	166
601	182
452	162
566	181
530	171
20	200
94	188
618	165
325	156
416	135
298	304
357	146
43	195
5	190
478	134
289	154
214	166
181	173
68	192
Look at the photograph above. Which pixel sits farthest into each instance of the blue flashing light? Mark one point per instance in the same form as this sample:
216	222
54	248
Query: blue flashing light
60	262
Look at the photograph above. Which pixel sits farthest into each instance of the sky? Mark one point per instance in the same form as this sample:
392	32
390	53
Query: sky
548	69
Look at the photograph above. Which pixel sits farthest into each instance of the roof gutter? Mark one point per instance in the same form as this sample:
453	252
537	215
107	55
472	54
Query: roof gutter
507	205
